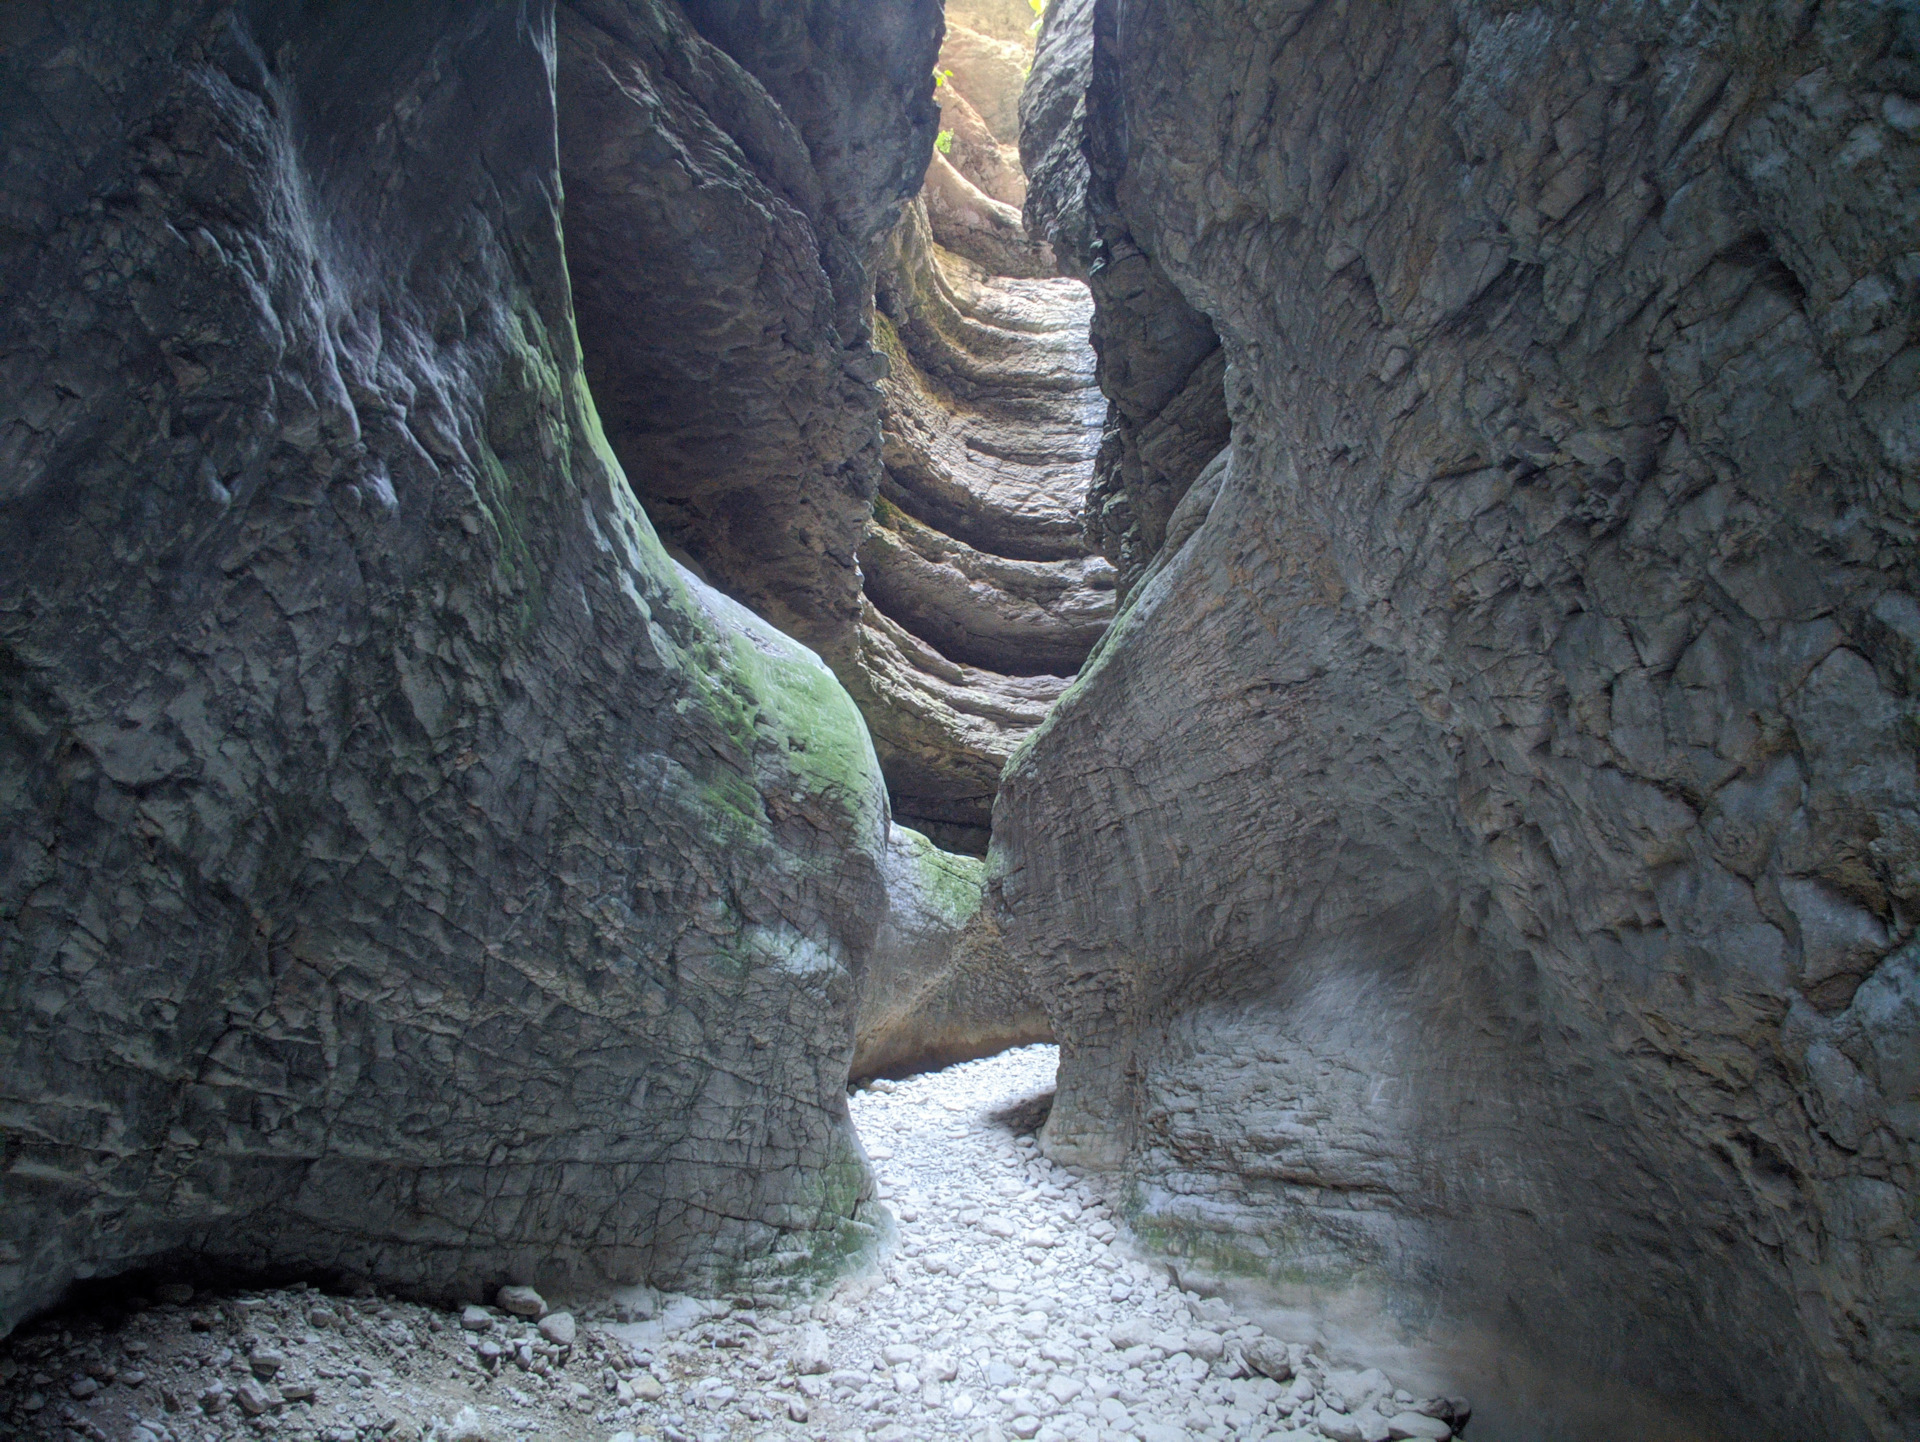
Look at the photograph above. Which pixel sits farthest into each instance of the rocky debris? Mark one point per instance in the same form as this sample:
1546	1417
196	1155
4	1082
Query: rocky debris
1012	1304
1513	742
1002	1312
380	1368
522	1302
964	1332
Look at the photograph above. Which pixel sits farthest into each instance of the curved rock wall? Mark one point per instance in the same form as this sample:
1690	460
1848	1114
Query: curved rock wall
1473	883
1160	363
407	869
981	597
720	211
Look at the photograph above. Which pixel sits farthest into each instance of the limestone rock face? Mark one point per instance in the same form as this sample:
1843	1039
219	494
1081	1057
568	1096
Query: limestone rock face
980	595
939	985
722	196
408	870
1523	733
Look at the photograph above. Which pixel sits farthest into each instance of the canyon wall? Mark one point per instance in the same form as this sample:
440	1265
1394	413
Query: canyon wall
406	869
1473	884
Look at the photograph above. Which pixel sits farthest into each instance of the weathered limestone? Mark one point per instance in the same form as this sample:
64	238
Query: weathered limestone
1474	881
408	870
940	986
981	594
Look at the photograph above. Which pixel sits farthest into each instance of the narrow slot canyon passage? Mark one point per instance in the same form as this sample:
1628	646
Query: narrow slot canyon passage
959	721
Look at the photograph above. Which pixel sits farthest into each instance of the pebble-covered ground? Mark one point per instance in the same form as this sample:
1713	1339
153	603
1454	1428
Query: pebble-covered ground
1011	1306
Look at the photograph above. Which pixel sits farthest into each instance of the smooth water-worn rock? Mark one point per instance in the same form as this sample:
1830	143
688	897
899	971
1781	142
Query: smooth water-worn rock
981	596
408	870
1473	884
939	985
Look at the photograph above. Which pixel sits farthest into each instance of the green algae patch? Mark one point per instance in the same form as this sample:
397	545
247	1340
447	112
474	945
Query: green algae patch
952	886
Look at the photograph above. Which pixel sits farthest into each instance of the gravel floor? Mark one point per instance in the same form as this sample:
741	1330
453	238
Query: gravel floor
1011	1306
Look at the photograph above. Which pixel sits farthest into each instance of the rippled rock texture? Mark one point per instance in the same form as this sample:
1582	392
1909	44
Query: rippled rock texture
1474	882
981	596
409	870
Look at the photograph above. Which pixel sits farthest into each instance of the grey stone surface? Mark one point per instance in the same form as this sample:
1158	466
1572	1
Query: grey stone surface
939	985
408	870
1473	884
1160	363
720	213
980	592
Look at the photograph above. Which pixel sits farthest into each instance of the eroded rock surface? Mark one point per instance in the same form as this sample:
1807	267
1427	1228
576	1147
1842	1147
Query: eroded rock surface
1160	363
721	207
939	985
408	870
1475	879
981	594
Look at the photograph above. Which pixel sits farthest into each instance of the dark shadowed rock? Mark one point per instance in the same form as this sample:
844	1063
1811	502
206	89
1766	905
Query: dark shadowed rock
1523	732
409	871
720	210
1160	363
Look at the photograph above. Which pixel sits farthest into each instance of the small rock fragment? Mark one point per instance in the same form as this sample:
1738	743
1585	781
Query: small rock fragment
522	1302
558	1328
1418	1425
812	1358
254	1399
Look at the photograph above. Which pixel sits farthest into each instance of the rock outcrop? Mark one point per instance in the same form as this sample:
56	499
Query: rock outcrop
1160	363
408	870
1474	881
940	985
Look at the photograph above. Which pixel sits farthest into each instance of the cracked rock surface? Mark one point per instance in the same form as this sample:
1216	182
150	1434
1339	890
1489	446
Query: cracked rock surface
408	871
1473	883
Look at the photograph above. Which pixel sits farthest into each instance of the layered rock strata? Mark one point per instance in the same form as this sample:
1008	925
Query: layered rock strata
1473	883
982	598
408	870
